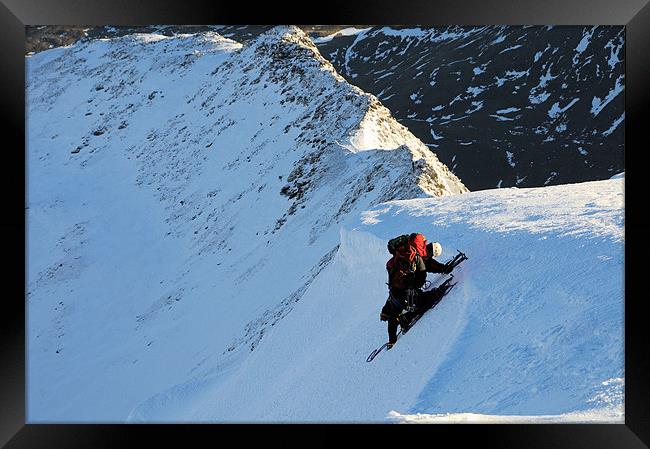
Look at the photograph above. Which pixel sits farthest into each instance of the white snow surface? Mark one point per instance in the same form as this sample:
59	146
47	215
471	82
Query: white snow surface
169	280
597	416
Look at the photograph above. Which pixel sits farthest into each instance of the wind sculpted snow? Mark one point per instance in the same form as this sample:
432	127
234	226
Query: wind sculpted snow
545	289
533	332
183	193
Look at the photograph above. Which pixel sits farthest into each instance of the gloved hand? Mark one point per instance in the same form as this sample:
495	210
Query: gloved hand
447	269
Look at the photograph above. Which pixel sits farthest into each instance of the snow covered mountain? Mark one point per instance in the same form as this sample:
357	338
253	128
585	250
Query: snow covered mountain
207	226
183	193
501	105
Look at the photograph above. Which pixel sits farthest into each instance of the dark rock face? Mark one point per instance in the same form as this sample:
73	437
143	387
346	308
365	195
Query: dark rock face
500	105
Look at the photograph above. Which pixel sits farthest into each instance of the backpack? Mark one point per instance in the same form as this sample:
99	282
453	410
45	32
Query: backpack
407	245
404	248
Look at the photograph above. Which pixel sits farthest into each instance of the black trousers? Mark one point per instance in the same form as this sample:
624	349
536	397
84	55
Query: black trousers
391	311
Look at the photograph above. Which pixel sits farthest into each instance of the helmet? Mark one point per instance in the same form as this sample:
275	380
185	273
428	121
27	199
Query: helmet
436	249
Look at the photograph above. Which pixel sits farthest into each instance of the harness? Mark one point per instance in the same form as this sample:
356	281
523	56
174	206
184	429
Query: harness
411	299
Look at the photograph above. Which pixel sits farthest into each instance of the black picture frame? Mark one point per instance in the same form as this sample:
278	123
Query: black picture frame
16	14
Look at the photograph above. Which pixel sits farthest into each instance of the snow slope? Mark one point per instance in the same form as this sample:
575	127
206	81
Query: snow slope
207	225
532	333
182	195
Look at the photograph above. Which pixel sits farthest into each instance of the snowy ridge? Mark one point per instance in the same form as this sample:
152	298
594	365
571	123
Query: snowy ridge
369	126
183	194
532	333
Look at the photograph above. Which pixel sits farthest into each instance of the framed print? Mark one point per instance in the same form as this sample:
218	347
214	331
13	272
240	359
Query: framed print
376	213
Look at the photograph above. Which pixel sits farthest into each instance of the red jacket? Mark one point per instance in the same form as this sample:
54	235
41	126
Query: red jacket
405	274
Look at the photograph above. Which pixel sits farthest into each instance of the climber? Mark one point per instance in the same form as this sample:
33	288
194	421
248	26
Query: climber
412	258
